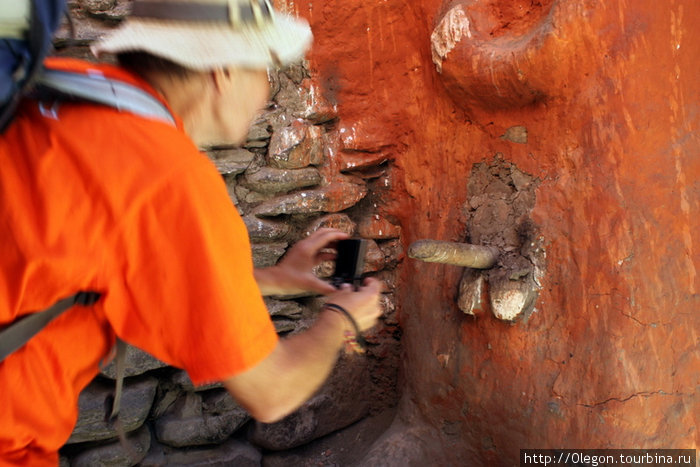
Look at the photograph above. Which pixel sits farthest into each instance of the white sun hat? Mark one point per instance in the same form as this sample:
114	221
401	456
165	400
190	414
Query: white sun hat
205	34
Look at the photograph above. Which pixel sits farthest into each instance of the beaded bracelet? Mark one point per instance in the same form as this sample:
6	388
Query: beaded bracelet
353	341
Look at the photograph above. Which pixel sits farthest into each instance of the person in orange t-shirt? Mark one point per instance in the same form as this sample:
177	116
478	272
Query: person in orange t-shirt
92	198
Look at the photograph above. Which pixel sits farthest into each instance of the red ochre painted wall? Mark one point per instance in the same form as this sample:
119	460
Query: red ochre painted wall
610	358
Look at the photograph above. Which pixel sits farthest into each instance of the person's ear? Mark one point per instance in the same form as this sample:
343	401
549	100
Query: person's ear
220	78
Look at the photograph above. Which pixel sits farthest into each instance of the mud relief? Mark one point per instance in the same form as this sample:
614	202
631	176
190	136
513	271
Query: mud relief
500	201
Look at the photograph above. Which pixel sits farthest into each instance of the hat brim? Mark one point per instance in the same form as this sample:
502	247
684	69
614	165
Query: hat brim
204	46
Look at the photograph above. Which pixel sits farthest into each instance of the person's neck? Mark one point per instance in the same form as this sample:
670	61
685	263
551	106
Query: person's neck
188	98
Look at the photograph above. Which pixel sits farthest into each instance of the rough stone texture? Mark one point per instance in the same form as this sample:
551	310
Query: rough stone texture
267	254
89	18
136	362
393	252
511	298
231	161
472	293
609	96
232	452
271	180
284	325
197	419
284	308
243	196
115	454
305	100
335	197
95	402
265	229
374	258
358	160
294	430
183	381
296	146
332	221
259	131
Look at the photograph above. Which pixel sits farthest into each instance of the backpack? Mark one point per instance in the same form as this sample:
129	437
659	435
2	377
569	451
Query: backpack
24	43
26	31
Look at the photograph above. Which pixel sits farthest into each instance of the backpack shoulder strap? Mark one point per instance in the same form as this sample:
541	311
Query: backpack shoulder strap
18	333
100	89
26	31
113	417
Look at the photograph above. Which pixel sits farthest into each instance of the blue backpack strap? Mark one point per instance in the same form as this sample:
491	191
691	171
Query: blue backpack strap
25	42
45	17
23	49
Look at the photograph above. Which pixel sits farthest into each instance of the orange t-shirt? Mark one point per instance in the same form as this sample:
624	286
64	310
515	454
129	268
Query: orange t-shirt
95	199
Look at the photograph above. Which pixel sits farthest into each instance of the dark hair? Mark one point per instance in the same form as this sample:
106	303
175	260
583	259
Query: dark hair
145	64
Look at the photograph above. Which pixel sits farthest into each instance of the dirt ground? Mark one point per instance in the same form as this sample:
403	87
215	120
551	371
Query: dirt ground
343	448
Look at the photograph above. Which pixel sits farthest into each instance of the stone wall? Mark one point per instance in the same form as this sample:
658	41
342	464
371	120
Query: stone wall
297	172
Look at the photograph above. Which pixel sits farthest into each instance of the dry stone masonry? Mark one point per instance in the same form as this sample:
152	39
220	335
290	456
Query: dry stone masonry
287	181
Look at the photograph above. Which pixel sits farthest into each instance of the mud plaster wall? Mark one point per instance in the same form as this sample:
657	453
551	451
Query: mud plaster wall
608	93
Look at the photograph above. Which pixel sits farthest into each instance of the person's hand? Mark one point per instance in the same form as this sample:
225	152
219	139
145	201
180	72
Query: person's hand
362	304
293	273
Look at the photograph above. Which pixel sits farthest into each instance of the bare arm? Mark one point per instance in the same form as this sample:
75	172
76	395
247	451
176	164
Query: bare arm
300	364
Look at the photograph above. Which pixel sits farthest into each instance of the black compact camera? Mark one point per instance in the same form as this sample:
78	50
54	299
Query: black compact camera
349	262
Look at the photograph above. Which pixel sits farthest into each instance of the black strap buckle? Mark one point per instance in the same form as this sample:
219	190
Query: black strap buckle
87	298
